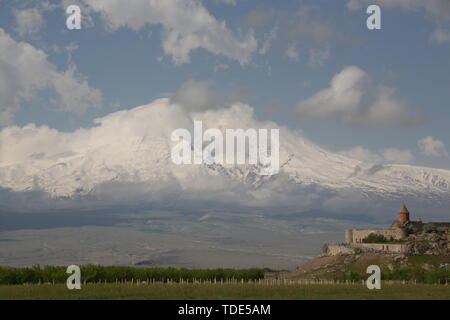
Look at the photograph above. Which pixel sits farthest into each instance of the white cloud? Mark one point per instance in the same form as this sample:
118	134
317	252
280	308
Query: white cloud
354	4
197	96
230	2
305	26
432	147
194	95
292	52
384	156
267	43
75	94
29	22
435	9
318	57
440	36
187	26
352	99
393	155
24	70
221	67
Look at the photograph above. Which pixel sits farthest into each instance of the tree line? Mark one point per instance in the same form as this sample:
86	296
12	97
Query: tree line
96	273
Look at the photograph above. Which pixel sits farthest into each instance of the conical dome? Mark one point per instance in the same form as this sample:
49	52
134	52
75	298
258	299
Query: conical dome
404	209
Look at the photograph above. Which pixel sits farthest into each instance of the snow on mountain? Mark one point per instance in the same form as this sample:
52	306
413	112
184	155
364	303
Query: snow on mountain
133	146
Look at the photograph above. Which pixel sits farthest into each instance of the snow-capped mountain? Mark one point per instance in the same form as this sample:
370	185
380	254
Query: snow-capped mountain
134	146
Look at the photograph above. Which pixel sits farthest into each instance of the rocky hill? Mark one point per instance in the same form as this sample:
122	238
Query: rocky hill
429	242
340	267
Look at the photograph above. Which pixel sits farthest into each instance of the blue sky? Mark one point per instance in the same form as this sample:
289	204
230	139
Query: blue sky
298	47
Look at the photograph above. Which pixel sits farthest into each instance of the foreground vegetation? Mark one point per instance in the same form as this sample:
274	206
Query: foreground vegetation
245	291
352	267
411	268
95	274
439	276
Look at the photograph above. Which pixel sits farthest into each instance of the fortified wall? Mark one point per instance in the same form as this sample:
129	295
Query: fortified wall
441	224
337	249
349	248
357	236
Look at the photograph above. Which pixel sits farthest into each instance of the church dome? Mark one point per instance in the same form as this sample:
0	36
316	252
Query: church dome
403	215
404	209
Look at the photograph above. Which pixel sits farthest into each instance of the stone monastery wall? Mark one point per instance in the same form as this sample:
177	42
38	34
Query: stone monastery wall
357	236
339	249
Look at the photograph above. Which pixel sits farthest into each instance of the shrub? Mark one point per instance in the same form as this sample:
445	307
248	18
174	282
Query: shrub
412	229
430	228
375	238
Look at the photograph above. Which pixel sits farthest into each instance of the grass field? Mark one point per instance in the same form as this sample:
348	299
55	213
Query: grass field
225	292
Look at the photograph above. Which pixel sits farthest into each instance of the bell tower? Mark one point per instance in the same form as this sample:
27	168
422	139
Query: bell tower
403	215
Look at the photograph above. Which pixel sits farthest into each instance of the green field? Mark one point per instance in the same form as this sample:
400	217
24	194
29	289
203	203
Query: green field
225	291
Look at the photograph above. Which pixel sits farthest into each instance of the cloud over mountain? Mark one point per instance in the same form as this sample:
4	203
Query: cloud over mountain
432	147
125	160
351	98
388	155
197	96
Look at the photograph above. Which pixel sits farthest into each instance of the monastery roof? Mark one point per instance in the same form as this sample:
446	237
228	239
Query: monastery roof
404	209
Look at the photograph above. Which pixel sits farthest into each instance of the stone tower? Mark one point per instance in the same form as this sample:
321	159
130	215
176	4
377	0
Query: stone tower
349	236
403	215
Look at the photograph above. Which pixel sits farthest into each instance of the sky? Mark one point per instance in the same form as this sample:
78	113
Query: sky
279	57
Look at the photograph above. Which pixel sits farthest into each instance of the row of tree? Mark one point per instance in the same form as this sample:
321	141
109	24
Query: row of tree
95	273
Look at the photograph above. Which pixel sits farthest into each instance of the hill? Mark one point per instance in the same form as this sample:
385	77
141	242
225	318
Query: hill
393	266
